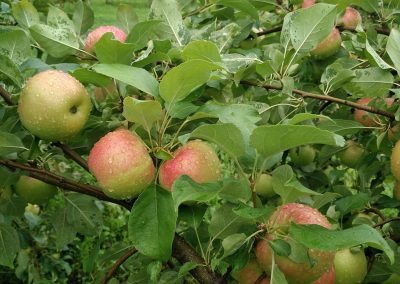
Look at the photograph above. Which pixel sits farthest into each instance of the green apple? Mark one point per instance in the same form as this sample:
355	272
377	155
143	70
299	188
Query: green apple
34	191
54	105
350	266
263	186
302	156
351	155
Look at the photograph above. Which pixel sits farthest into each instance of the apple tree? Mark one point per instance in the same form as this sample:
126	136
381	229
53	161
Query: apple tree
208	141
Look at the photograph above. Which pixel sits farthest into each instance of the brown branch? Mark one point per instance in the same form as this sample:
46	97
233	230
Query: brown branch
6	96
376	211
386	221
117	264
269	31
72	154
326	98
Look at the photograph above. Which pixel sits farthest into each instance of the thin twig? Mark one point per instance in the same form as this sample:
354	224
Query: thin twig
6	96
117	264
326	98
269	31
72	154
378	225
376	211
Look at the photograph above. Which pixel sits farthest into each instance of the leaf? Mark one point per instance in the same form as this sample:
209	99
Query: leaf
227	136
187	267
59	20
112	51
353	202
15	45
308	27
269	140
9	69
25	14
234	61
241	5
144	113
151	225
277	277
136	77
301	117
201	49
127	16
9	245
143	32
83	17
336	75
10	143
185	189
375	58
393	48
168	11
87	76
370	82
317	237
255	214
180	81
65	231
232	243
341	126
224	37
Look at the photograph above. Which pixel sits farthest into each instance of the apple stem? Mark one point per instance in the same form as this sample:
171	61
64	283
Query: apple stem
68	151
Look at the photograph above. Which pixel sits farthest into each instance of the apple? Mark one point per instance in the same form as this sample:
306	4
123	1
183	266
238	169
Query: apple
395	161
32	208
277	225
249	274
351	155
97	33
100	93
393	279
195	159
327	278
329	46
34	191
396	191
394	132
307	3
302	156
366	118
263	186
54	105
350	19
121	164
350	266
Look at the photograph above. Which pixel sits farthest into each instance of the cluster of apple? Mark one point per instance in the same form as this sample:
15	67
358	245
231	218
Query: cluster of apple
331	44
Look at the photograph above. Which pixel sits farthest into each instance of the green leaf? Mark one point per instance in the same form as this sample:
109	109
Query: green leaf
87	76
65	231
353	202
15	45
127	16
10	143
253	213
370	6
227	136
144	113
10	70
317	237
232	243
112	51
83	17
393	48
308	27
136	77
151	224
301	117
277	276
201	49
25	14
59	20
269	140
180	81
186	268
336	75
9	245
370	82
375	59
185	189
341	126
241	5
143	32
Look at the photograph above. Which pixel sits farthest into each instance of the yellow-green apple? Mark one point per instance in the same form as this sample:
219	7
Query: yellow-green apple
97	33
263	186
302	156
121	164
396	191
54	105
328	46
350	266
351	155
350	19
277	225
34	191
195	159
395	161
366	118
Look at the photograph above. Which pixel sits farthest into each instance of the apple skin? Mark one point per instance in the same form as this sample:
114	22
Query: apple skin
328	47
350	267
249	274
195	159
121	164
393	132
97	33
54	105
365	118
328	277
396	191
263	186
351	155
302	156
299	273
307	3
395	161
100	93
34	191
351	18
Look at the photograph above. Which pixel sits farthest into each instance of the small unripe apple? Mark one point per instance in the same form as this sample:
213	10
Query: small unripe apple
195	159
350	266
302	156
278	224
263	186
351	18
351	155
97	33
54	105
329	46
395	161
249	274
34	191
366	118
307	3
328	277
396	191
121	164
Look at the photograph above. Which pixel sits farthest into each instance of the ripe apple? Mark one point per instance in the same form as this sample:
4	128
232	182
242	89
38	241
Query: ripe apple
54	105
396	191
121	164
327	278
329	46
307	3
350	266
195	159
351	18
263	186
34	191
395	161
97	33
249	274
351	155
302	156
277	225
366	118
